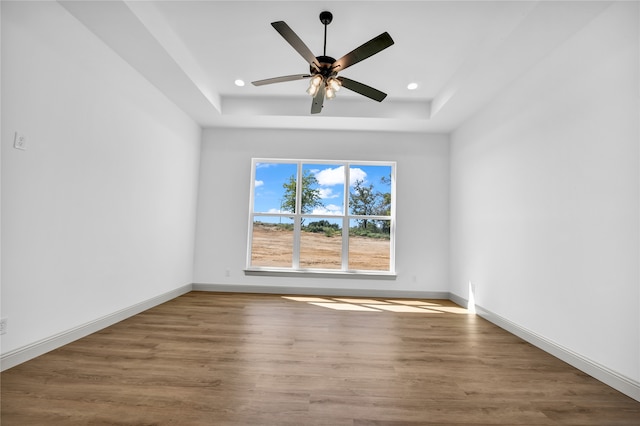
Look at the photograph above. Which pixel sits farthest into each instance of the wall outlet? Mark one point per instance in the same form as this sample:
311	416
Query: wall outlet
20	141
3	325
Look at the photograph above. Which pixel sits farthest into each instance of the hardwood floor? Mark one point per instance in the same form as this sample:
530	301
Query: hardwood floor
246	359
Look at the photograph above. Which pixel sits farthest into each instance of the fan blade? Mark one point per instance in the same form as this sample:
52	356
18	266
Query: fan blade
292	38
280	79
318	99
370	48
363	89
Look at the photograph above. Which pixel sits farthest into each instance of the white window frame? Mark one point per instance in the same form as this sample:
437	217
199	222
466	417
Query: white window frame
297	216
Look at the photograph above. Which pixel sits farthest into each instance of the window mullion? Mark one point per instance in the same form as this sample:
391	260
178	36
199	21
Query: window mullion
251	213
392	230
345	219
297	224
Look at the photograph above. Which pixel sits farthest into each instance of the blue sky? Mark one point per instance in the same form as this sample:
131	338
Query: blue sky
270	177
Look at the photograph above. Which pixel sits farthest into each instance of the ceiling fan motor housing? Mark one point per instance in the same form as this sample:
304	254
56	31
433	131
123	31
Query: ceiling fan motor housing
326	69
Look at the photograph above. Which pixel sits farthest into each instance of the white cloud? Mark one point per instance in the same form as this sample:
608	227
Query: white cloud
258	183
334	208
330	209
330	177
326	193
357	174
265	165
278	211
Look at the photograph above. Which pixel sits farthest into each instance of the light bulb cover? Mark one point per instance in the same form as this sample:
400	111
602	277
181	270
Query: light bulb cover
312	90
334	84
330	93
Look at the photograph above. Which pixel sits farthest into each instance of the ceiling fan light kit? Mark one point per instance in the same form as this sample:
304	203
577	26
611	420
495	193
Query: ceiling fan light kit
323	70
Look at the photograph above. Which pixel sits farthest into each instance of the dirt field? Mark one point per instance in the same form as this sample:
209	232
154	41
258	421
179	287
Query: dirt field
272	246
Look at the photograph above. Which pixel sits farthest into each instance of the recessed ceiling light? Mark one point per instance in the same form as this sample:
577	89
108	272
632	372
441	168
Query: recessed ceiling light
239	83
412	86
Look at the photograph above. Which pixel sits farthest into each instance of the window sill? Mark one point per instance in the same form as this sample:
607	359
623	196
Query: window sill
376	275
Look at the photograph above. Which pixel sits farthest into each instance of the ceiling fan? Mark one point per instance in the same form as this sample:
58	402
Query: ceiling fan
323	70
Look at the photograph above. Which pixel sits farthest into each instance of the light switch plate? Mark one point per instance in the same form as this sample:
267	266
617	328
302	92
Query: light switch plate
20	141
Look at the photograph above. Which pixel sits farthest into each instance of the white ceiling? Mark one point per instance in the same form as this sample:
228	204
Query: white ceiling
462	54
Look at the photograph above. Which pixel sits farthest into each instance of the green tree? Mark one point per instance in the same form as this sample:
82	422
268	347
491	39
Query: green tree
310	194
363	201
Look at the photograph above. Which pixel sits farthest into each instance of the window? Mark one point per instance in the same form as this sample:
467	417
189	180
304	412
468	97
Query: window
322	216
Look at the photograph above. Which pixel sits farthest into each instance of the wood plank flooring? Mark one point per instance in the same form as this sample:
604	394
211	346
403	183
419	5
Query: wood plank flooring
246	359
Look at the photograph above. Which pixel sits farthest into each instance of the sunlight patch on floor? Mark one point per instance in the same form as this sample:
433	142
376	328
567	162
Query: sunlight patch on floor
413	302
344	306
307	299
453	309
404	308
362	301
375	305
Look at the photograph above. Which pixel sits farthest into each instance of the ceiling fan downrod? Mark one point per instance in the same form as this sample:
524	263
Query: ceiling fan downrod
326	18
325	70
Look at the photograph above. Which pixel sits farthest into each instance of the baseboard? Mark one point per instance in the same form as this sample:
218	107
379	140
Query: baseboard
320	291
609	377
33	350
458	300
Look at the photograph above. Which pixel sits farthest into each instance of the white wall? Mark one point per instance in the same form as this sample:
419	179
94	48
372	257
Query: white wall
422	203
545	197
98	214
